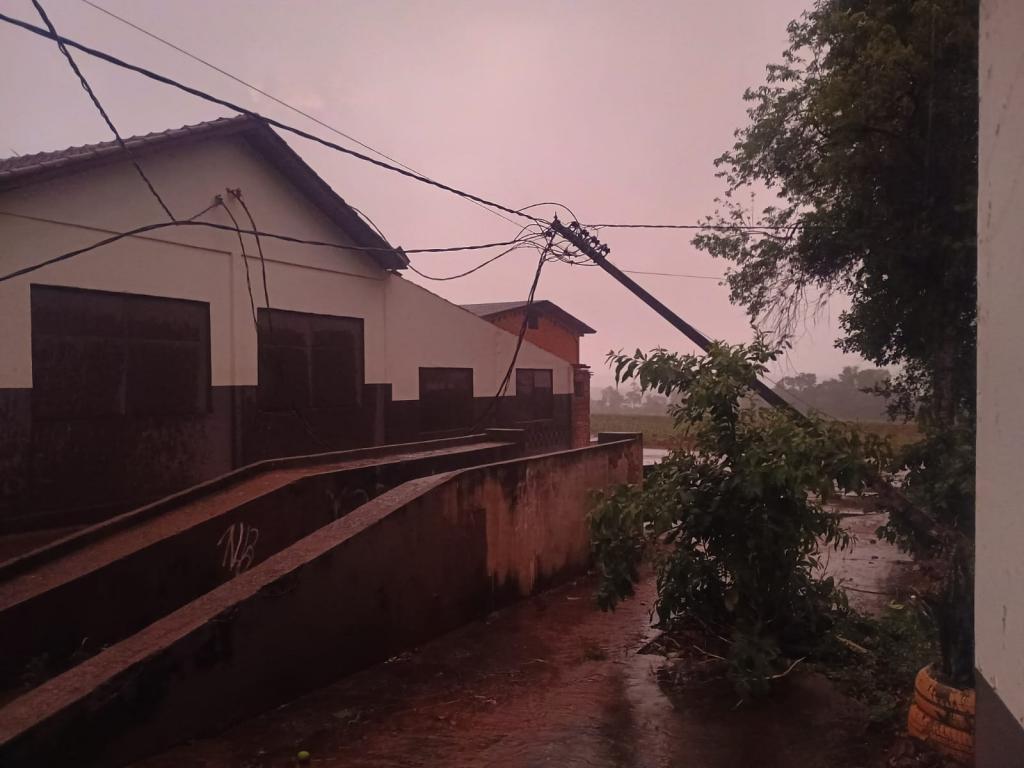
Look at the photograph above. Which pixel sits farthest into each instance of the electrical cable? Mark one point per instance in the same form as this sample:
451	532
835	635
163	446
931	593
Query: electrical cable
673	274
495	402
268	120
99	107
273	98
237	194
521	244
245	259
721	227
191	222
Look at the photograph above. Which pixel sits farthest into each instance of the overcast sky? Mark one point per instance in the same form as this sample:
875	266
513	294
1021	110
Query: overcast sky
615	109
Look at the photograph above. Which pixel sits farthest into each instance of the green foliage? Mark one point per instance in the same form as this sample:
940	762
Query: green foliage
737	524
866	137
939	476
852	395
891	650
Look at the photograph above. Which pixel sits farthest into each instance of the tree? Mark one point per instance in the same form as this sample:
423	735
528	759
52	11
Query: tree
737	524
866	135
611	398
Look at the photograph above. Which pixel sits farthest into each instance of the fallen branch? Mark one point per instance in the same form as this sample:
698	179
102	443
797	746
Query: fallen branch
791	668
852	645
709	653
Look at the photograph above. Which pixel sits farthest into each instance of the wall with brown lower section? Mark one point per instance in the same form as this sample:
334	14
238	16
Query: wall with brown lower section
78	473
403	568
78	601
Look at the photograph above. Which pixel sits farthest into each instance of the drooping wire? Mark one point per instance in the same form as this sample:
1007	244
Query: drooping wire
191	222
495	402
521	244
99	107
237	194
273	98
752	228
268	120
245	259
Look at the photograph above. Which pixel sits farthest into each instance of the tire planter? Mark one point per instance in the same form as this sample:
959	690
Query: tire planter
943	717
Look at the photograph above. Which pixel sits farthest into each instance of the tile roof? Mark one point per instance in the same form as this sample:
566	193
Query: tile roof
20	165
26	169
543	306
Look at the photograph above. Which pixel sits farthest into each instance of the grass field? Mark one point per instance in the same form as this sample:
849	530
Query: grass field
658	431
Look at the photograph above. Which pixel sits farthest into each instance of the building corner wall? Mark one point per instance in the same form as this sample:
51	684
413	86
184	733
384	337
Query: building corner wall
581	406
999	599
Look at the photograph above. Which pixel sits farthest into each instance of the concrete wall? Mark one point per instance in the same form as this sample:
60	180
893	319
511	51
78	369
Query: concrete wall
549	334
405	327
425	330
999	586
409	565
203	264
110	587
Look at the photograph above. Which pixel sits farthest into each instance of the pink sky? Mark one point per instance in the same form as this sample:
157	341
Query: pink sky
615	109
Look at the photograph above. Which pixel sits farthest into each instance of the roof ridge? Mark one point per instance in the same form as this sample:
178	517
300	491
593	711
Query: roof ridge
16	164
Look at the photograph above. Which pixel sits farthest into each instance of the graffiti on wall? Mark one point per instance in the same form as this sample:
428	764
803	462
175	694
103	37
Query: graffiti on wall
239	543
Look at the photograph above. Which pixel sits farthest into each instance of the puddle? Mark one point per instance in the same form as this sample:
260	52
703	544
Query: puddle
551	681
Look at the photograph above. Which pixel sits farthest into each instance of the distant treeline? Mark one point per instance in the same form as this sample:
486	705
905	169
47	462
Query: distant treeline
843	397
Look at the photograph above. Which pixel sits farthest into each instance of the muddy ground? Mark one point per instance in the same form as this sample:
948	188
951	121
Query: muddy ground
553	681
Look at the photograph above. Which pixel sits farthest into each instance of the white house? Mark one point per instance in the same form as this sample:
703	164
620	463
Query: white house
136	369
999	570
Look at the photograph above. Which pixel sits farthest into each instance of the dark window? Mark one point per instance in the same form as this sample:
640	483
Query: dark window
532	321
446	399
97	354
535	397
309	361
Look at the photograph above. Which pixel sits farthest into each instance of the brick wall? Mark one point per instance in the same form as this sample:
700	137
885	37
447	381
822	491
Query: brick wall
548	335
581	406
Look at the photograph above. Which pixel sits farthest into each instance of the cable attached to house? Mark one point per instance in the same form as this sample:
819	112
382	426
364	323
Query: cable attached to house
52	35
192	222
95	100
495	403
521	244
273	98
245	258
237	194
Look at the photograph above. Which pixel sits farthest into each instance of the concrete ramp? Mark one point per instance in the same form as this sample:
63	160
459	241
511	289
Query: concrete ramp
411	564
67	601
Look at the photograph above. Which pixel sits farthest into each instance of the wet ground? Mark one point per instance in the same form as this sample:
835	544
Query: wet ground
553	681
872	571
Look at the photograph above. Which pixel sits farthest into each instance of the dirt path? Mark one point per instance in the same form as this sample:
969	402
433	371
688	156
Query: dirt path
551	681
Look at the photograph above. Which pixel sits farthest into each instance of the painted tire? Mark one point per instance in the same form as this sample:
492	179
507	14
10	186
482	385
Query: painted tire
943	717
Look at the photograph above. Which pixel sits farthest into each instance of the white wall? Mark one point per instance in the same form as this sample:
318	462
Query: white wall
999	588
405	326
423	329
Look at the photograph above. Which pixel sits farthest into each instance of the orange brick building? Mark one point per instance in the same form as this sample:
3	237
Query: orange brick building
551	328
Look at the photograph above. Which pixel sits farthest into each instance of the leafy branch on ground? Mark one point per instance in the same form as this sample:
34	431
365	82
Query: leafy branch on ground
736	527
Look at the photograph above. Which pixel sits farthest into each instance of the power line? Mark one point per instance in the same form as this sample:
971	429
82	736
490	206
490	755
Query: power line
245	259
237	194
506	380
521	244
674	274
270	96
720	227
213	225
268	120
99	107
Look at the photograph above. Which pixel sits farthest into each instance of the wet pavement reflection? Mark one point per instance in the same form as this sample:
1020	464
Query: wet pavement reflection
552	681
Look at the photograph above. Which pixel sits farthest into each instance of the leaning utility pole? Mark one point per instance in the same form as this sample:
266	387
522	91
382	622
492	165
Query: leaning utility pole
597	251
594	249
